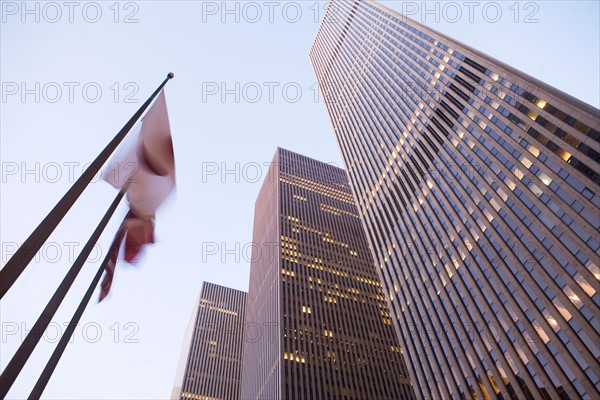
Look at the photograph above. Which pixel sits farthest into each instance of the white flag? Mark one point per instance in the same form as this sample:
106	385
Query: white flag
148	164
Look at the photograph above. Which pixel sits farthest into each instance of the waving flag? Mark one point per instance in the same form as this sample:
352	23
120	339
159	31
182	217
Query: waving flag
147	170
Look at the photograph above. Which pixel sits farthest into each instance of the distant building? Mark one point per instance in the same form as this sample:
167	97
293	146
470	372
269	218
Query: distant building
318	325
478	187
211	361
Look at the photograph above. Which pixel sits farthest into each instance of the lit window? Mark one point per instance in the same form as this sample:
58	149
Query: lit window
448	270
561	309
511	184
488	215
545	179
573	297
587	288
536	190
525	161
534	150
593	269
540	332
495	204
518	173
551	320
565	155
503	195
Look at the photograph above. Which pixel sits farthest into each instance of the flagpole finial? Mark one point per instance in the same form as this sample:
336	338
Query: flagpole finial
171	75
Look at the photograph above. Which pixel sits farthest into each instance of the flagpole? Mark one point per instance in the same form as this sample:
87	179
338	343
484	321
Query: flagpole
14	367
46	374
23	256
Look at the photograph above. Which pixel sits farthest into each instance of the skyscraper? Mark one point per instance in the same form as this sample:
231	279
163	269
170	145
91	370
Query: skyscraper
211	360
318	326
477	186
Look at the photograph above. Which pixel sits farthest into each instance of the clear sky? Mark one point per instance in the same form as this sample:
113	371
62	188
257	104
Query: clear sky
69	74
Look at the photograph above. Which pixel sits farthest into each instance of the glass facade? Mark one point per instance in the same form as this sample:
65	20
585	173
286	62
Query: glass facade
477	186
315	297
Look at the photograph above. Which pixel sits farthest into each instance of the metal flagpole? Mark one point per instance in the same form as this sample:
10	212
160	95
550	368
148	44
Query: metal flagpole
23	256
46	374
14	367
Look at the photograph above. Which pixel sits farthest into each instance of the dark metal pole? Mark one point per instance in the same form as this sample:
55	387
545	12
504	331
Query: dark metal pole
46	374
14	367
23	256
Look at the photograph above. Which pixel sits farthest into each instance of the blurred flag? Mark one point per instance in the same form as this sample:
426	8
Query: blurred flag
146	168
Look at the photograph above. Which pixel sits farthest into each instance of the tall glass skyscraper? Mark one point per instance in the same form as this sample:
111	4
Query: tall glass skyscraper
317	323
478	188
211	361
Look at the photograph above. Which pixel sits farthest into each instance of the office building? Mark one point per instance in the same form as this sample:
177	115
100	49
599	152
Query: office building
317	322
477	186
211	360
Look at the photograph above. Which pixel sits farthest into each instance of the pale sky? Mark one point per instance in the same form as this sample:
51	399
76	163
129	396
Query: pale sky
243	86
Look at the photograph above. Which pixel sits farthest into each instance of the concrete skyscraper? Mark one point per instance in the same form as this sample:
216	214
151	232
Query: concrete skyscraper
478	188
211	361
318	324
